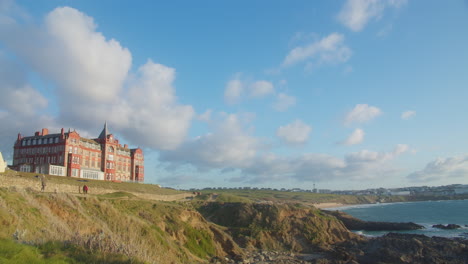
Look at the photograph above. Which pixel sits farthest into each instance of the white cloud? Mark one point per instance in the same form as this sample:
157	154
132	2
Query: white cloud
355	138
152	108
296	132
93	83
18	97
206	116
362	113
328	50
408	114
442	168
233	91
236	89
261	89
21	106
283	102
229	145
355	14
310	167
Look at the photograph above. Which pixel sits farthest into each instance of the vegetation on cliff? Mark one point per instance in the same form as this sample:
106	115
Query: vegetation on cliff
154	232
129	226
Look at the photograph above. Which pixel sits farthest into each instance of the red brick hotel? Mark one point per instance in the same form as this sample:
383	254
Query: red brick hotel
69	154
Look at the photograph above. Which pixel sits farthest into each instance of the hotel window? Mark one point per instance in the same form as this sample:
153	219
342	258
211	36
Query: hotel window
75	151
70	149
56	140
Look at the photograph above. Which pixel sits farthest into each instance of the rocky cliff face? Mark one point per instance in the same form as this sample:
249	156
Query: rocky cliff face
400	248
277	226
155	232
169	232
353	223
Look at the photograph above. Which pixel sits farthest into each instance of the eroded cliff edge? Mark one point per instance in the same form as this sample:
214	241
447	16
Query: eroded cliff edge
183	232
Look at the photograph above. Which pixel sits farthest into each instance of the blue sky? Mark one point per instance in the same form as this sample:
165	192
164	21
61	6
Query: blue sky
345	94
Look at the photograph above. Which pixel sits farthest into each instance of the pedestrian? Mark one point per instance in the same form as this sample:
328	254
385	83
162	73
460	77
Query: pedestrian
85	189
43	183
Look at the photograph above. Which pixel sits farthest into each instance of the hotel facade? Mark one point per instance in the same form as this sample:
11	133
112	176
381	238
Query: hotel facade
69	154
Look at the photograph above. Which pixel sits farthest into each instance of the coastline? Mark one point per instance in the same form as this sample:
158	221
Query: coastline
328	205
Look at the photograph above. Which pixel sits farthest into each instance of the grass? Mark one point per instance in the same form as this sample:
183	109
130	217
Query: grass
199	242
123	186
116	195
292	197
56	253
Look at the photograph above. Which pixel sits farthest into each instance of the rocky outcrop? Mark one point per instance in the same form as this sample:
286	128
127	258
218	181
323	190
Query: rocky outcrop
449	226
277	226
400	248
353	223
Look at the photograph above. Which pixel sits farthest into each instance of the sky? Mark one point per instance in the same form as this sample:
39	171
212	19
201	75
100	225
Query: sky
340	95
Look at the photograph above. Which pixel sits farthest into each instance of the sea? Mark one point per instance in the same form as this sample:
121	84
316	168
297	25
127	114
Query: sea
427	214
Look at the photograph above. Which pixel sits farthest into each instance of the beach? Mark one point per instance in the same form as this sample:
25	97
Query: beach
328	205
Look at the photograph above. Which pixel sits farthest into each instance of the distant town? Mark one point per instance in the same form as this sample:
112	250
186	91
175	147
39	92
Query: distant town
447	190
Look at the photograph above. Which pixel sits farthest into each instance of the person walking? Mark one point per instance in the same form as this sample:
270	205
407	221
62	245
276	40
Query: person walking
85	189
43	183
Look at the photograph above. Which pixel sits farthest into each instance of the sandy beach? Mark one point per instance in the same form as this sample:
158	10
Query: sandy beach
328	205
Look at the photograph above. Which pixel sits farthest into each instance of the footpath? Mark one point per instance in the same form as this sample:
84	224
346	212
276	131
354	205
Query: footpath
10	180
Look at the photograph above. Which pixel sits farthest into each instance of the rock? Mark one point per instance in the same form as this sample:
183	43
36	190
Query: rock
449	226
403	248
356	224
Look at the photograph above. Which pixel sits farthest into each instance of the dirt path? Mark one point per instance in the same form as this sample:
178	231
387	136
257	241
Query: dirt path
10	180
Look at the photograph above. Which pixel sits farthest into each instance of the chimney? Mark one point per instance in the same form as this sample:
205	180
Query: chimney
62	131
126	146
45	131
37	133
19	136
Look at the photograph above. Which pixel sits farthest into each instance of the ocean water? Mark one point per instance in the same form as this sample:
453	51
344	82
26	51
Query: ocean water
425	213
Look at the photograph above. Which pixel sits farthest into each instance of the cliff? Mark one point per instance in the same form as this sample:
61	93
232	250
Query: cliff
153	232
128	227
287	227
353	223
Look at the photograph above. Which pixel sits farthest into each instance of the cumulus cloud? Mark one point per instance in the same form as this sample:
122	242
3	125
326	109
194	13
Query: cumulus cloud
162	123
206	116
362	113
18	97
313	167
355	14
328	50
92	72
228	146
261	89
442	168
408	114
295	133
236	89
283	102
21	105
233	91
355	138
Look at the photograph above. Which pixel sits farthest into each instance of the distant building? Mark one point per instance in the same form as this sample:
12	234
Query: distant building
400	193
69	154
2	163
461	189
